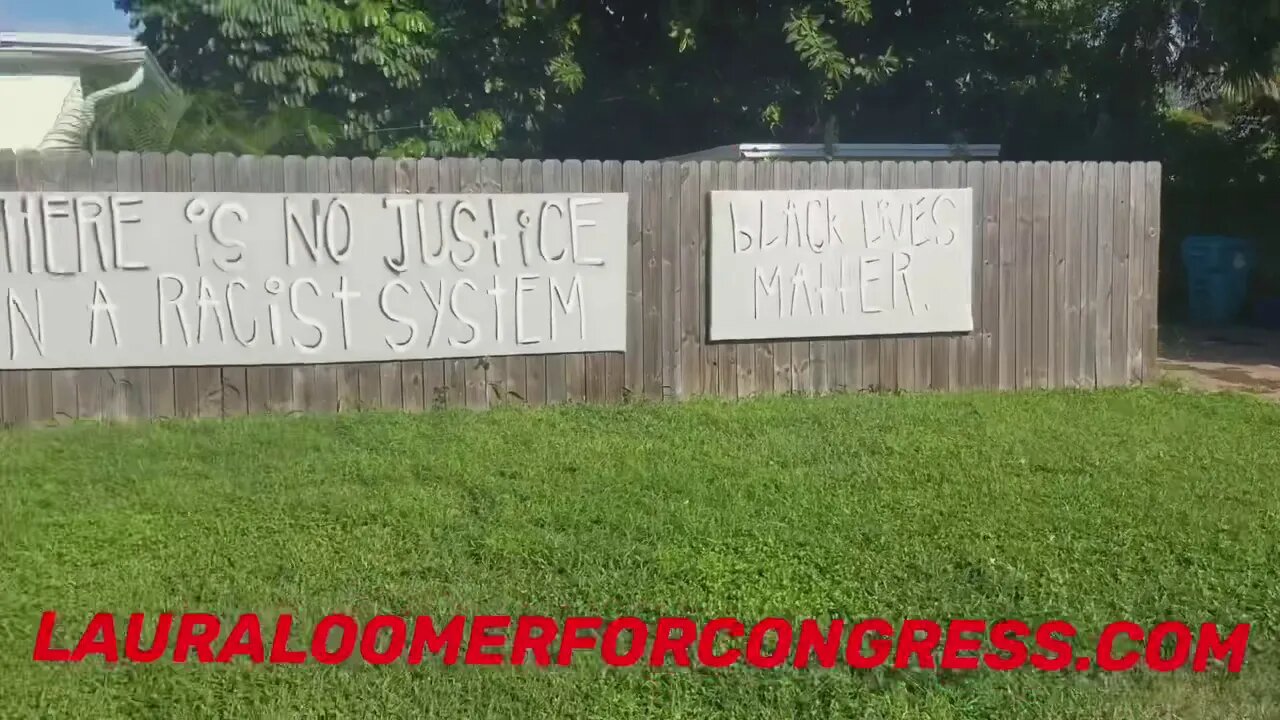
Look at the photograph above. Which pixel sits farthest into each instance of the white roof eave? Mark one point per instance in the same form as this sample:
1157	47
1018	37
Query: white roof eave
57	50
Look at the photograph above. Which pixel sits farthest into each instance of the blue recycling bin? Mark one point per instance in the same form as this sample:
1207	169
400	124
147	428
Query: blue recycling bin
1217	277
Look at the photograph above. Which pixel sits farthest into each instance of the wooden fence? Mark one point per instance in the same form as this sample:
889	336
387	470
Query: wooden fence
1064	278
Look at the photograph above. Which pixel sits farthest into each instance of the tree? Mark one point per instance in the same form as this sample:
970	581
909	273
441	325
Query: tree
451	76
208	122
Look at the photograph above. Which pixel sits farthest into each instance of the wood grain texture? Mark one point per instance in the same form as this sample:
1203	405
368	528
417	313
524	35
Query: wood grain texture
1105	264
257	389
1137	272
633	183
1057	271
1025	272
719	360
1090	194
390	374
908	345
575	363
1149	301
434	383
651	269
873	349
595	374
819	369
1064	284
854	350
1041	306
669	279
741	175
689	343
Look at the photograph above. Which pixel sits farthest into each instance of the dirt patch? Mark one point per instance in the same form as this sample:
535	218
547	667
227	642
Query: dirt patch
1239	359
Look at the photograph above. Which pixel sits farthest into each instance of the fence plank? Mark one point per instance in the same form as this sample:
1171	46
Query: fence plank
929	175
766	353
801	370
234	377
783	371
719	361
160	381
890	347
127	393
390	375
1024	272
1120	277
971	347
1040	307
991	201
834	348
908	345
434	383
39	383
669	278
1057	275
1007	321
853	351
597	362
89	383
557	367
328	390
1151	272
535	365
872	348
1090	192
455	369
304	380
186	380
14	170
575	364
346	376
741	175
115	405
944	351
1137	268
368	375
819	371
279	398
1105	264
689	246
615	362
652	279
633	360
1073	288
64	407
494	369
413	396
257	387
513	378
9	379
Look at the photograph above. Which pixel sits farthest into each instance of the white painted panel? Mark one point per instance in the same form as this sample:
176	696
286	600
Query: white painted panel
173	279
840	263
31	105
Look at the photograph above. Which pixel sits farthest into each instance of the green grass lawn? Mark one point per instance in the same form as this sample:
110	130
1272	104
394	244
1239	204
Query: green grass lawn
1140	505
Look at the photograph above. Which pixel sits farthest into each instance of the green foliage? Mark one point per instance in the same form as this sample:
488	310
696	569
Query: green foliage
208	122
1222	177
375	64
1145	506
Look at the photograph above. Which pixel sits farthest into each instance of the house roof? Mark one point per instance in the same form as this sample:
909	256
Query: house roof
61	51
842	151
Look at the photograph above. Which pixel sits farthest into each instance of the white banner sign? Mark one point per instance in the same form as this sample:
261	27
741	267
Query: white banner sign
832	263
172	279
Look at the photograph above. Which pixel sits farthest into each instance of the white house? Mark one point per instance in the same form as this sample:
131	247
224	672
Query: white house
51	84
